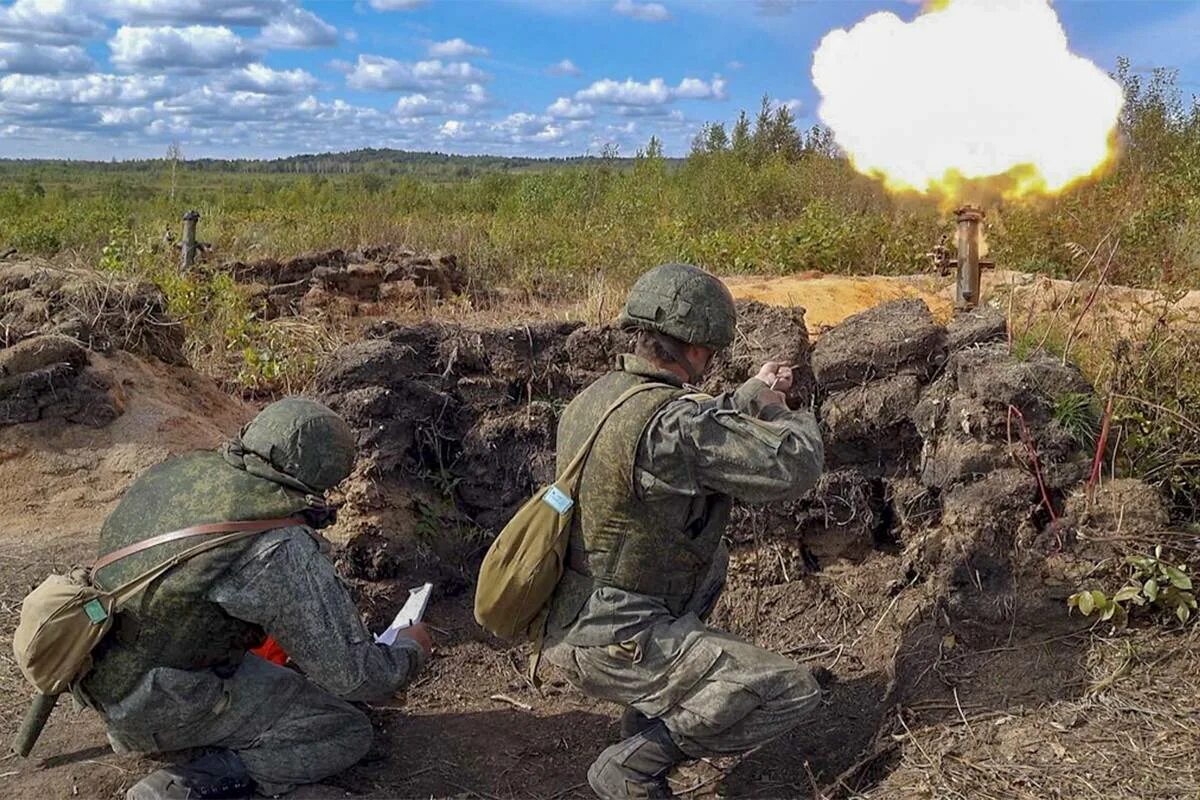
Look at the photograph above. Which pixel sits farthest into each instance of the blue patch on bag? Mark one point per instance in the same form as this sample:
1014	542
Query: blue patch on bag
95	611
557	499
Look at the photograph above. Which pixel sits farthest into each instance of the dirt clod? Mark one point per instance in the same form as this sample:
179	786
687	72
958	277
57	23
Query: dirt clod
893	337
766	333
316	280
978	326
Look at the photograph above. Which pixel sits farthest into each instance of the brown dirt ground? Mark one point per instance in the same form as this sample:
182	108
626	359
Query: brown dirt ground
1042	710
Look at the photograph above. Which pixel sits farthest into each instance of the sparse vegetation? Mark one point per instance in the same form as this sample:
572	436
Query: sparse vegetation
1154	583
1078	415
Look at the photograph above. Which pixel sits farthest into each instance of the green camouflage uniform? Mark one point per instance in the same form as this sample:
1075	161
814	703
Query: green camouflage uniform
645	564
175	674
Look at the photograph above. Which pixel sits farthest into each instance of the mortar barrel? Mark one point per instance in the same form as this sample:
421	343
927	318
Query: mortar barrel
969	284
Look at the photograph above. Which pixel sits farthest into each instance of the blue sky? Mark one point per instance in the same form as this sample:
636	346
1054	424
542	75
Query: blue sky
252	78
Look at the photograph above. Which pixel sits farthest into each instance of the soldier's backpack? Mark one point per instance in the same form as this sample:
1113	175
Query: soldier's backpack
66	616
525	562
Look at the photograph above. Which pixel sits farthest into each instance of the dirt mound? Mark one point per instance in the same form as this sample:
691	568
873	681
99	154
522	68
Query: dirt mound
103	312
370	274
885	340
472	411
48	376
53	321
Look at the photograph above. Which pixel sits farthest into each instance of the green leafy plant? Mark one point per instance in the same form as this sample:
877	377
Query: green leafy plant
1153	583
116	255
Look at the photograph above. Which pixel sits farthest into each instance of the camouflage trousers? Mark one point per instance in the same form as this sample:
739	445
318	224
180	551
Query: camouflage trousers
715	693
285	728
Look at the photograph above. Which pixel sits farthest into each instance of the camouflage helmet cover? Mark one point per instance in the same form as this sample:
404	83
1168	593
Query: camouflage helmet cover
303	440
684	302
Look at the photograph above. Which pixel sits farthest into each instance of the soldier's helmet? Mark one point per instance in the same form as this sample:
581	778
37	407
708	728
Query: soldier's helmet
682	301
304	440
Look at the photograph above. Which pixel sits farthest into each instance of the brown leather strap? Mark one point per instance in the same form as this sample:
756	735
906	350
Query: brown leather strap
195	530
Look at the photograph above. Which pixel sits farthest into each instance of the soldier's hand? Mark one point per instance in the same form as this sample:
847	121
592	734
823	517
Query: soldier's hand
777	377
419	634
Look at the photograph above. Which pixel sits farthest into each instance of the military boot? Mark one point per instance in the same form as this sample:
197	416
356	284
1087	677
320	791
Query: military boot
213	776
636	768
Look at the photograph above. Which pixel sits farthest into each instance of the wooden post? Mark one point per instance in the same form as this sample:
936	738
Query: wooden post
188	247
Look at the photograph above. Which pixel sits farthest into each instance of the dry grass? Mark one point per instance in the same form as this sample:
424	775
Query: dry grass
1133	734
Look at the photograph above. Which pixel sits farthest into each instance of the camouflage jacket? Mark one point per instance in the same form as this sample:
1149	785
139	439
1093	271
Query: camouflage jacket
693	449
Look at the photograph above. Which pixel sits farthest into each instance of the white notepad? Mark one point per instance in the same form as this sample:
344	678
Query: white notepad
410	614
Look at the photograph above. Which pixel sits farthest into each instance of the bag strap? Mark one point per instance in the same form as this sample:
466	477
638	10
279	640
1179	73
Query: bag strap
125	591
254	525
569	480
233	530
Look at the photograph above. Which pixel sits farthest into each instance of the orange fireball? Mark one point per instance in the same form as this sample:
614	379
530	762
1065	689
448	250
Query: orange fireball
969	93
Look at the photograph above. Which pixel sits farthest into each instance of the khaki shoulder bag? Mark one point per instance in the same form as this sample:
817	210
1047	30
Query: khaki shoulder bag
525	562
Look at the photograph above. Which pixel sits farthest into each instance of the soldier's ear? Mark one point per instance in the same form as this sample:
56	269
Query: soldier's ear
699	354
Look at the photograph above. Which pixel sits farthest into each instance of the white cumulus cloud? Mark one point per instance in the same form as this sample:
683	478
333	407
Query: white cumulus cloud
196	12
297	28
655	92
792	104
475	94
566	108
57	22
646	12
125	117
379	73
418	106
523	127
696	89
264	80
96	90
517	129
456	48
627	93
195	47
39	59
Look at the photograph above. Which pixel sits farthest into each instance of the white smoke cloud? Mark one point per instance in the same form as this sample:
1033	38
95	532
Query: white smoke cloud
978	88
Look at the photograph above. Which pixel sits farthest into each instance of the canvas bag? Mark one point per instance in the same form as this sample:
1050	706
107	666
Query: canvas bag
525	562
65	617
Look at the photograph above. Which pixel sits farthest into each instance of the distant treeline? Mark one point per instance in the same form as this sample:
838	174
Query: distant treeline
381	161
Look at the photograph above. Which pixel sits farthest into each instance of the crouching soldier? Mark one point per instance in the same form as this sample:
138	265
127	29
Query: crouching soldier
645	564
174	672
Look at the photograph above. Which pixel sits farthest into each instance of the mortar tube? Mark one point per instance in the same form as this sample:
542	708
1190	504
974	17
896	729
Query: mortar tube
969	284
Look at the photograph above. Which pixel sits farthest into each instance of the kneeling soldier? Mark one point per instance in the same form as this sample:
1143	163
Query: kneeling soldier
174	672
645	564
